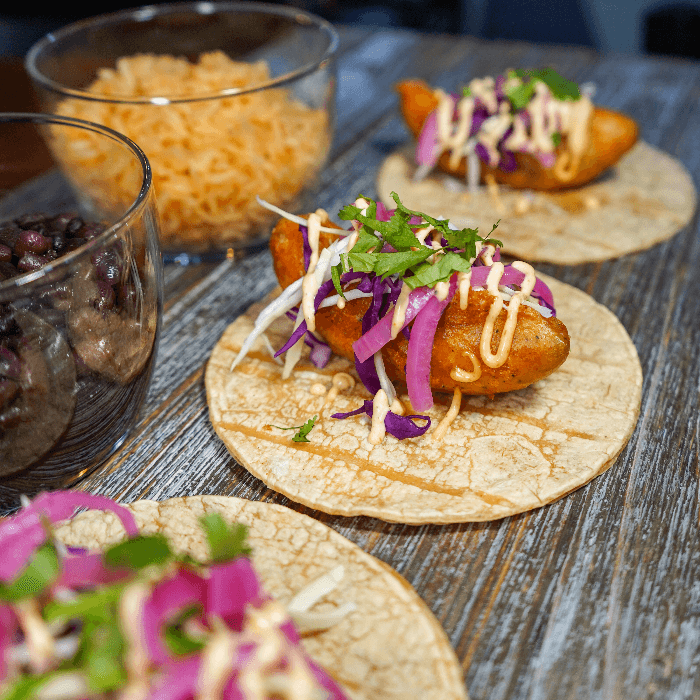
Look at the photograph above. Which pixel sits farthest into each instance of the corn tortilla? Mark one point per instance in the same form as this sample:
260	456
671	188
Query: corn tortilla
501	456
390	648
645	199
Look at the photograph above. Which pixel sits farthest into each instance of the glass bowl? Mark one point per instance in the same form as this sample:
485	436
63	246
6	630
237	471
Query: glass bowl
80	306
228	100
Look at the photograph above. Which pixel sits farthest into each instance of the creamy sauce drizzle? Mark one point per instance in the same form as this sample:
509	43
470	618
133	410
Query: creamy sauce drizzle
400	309
461	375
310	284
341	381
380	408
449	417
498	358
136	662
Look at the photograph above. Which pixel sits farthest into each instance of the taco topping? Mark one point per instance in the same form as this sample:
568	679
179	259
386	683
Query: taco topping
139	621
526	111
410	266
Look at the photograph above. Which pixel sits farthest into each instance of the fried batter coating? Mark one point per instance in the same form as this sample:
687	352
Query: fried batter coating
611	135
540	345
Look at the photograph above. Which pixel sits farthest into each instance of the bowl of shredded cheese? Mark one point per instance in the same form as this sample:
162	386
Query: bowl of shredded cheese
228	100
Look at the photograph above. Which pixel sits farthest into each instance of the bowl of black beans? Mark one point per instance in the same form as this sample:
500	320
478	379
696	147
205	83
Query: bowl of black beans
80	306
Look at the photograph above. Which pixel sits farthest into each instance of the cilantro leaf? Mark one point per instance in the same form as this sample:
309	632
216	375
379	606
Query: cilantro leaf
177	640
561	88
520	95
225	542
362	262
398	263
556	138
96	605
102	646
302	430
138	552
335	276
429	274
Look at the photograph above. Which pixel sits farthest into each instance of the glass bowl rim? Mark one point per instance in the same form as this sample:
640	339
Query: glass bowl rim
201	7
65	262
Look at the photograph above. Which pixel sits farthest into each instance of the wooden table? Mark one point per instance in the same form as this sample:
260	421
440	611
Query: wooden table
595	596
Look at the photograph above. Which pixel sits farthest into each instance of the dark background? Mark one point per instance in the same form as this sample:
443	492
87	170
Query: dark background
661	26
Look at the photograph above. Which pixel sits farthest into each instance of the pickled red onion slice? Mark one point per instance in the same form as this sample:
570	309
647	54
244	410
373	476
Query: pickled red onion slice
401	427
380	334
420	350
21	534
427	148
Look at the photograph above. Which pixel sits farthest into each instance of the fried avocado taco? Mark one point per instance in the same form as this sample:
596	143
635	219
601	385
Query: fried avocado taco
205	597
567	178
423	379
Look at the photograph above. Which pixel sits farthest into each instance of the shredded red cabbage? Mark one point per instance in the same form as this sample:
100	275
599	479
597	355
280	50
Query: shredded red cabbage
307	246
378	335
401	427
323	291
512	276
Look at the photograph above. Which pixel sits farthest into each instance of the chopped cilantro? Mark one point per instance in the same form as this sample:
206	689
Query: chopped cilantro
519	95
302	430
102	646
175	637
391	247
466	92
556	138
225	542
138	552
96	605
561	88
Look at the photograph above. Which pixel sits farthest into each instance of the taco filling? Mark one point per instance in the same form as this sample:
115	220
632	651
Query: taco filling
138	621
411	299
521	111
525	128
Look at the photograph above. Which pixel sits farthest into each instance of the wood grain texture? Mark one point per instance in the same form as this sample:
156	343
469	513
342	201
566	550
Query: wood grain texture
595	596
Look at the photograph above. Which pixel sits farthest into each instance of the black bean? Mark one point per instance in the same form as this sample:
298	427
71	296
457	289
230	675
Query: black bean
31	241
5	253
58	242
106	298
60	222
108	265
30	262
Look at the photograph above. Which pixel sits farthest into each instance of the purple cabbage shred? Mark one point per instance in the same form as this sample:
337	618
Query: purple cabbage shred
401	427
